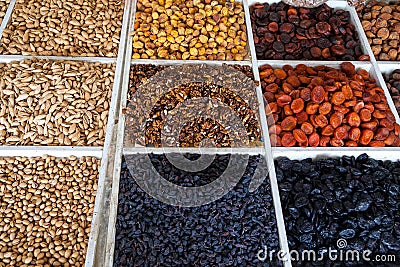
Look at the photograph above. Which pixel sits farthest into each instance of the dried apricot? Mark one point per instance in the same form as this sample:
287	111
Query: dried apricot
265	73
379	114
353	119
370	107
271	108
294	81
348	68
390	139
354	134
280	74
338	98
365	115
340	132
327	130
325	108
275	140
273	88
288	123
382	106
368	97
341	109
301	117
307	127
269	97
358	106
288	140
287	110
283	100
386	124
351	144
381	134
312	108
336	119
304	79
347	92
366	137
336	142
272	119
321	121
297	105
363	73
377	144
318	94
275	129
313	139
369	125
350	103
305	94
396	129
300	136
287	88
324	141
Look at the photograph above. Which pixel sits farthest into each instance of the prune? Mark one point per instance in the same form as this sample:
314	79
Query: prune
278	46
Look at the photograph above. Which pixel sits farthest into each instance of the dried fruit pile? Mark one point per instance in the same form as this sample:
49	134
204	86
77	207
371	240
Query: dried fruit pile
197	129
355	199
393	84
198	29
381	23
64	28
286	32
323	106
3	9
45	102
46	207
227	232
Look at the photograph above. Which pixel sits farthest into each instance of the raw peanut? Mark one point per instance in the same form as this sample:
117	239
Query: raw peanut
354	134
300	136
307	127
313	139
297	105
353	119
325	108
366	137
283	100
289	123
338	98
327	130
301	117
321	121
318	94
288	140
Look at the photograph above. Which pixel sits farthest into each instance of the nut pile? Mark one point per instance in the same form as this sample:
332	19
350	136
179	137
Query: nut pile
286	32
46	209
393	84
194	29
352	198
44	102
199	128
64	28
226	232
381	23
323	106
3	9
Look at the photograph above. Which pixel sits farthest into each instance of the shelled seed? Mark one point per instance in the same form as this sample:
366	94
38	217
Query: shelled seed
64	28
286	32
324	106
3	9
197	129
195	29
46	209
227	232
381	23
393	84
46	102
355	199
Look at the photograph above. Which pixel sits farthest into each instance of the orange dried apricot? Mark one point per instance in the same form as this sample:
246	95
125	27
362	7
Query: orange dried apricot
318	94
325	108
353	119
307	127
297	105
321	121
289	123
300	136
366	137
338	98
288	139
313	139
354	134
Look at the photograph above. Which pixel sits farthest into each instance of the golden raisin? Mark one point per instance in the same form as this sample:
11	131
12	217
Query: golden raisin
287	110
327	130
324	141
351	144
305	94
301	117
313	139
325	108
312	108
336	142
321	120
318	94
275	129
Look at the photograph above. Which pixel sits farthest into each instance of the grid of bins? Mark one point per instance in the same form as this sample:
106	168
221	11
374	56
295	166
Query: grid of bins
59	91
119	250
317	184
